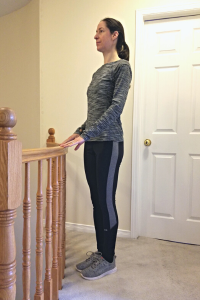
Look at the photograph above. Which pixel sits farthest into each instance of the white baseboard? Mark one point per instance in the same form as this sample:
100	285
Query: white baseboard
90	229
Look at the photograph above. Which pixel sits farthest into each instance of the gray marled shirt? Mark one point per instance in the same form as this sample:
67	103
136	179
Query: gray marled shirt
107	95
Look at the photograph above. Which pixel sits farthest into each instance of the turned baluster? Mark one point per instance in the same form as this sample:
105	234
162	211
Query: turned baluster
10	200
26	273
60	224
55	232
52	170
39	294
48	250
51	143
64	211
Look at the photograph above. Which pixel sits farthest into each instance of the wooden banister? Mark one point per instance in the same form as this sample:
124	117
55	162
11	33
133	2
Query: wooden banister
10	200
11	158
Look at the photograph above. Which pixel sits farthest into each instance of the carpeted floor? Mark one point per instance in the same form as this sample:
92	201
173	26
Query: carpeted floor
148	269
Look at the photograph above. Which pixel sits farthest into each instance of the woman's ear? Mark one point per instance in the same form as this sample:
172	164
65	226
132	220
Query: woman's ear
115	35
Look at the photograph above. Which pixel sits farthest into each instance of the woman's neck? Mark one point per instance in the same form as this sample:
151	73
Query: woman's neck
110	57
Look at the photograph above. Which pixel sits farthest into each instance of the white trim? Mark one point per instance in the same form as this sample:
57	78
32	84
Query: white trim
90	229
176	10
143	15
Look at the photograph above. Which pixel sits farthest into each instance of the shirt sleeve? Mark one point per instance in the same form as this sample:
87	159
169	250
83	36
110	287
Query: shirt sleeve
122	79
80	129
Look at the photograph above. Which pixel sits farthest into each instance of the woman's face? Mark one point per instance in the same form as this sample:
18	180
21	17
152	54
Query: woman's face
105	40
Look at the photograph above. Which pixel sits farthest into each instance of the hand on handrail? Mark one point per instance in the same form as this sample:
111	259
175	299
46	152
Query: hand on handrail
72	140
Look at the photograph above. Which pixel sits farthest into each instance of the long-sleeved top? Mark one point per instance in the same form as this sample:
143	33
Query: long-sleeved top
106	95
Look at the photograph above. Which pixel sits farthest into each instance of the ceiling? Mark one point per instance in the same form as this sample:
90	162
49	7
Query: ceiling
8	6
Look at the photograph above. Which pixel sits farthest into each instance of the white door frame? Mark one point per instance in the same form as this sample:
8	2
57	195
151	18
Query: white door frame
137	145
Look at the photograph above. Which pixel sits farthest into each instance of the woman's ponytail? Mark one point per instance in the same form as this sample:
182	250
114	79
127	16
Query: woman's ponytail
124	52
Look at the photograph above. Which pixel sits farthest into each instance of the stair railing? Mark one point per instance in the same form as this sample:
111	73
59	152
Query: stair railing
11	159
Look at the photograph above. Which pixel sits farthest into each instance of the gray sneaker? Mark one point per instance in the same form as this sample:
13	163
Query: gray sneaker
99	268
86	263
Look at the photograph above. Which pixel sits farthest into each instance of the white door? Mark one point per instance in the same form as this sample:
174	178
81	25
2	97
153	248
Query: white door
170	167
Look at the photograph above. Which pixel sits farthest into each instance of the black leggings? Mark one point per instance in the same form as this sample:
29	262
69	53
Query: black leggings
102	161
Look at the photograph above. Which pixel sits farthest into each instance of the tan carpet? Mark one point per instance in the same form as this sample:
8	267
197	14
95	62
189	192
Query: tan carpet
148	269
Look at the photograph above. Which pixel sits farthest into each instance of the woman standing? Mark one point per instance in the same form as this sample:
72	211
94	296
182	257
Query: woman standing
103	137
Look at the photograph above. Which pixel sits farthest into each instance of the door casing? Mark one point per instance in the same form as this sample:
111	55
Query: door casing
142	16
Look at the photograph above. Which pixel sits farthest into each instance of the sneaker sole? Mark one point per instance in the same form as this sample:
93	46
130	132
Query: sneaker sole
100	276
78	270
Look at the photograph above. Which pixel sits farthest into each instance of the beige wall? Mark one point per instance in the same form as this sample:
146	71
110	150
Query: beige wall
19	89
68	60
19	70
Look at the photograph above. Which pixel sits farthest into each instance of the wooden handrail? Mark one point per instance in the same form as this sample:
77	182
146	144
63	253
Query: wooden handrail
29	155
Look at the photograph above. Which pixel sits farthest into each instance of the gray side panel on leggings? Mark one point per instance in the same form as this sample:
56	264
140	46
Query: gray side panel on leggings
110	181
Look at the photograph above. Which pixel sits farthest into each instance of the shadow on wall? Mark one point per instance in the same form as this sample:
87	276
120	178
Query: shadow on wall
80	190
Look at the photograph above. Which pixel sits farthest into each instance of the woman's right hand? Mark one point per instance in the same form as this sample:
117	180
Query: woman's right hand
70	138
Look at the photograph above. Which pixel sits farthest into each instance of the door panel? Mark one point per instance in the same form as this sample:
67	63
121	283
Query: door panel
164	167
170	167
195	117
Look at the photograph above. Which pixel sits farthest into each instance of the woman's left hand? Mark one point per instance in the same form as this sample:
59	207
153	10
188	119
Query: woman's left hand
77	141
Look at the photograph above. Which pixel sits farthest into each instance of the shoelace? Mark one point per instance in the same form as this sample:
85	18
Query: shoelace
91	256
97	261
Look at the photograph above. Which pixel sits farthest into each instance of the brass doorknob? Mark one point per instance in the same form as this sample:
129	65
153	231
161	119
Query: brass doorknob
147	142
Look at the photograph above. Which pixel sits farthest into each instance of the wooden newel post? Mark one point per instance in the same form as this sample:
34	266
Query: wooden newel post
10	199
51	138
